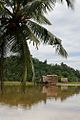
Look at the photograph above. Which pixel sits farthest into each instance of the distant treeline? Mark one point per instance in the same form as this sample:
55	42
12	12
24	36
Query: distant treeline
13	70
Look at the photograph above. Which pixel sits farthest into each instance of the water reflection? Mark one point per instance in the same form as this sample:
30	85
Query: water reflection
50	91
14	96
61	93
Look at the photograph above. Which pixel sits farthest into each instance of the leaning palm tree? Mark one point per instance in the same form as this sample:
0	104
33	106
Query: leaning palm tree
20	23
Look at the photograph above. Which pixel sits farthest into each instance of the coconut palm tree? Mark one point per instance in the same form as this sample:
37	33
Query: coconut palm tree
20	23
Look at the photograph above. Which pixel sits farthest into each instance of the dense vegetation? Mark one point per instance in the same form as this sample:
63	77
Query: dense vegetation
13	67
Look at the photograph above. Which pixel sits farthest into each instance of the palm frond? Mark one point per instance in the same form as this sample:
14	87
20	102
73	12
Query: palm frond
46	37
69	3
29	35
61	51
36	8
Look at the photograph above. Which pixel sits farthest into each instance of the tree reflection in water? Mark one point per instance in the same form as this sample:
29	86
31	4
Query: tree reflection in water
14	96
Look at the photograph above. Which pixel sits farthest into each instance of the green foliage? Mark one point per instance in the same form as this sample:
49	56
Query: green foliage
13	67
19	23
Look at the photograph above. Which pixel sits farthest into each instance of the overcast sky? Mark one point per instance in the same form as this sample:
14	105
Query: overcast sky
66	26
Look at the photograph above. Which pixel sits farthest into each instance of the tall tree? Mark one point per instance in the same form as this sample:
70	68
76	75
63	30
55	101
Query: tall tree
19	23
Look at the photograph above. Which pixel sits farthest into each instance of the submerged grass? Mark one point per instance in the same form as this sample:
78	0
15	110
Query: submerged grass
10	83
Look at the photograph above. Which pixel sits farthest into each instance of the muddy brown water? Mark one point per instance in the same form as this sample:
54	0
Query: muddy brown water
40	103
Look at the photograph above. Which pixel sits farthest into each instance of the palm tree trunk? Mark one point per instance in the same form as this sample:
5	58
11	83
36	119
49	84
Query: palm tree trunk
1	75
1	67
28	63
24	77
25	72
33	71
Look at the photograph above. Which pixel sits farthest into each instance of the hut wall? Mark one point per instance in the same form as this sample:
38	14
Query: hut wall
52	79
64	80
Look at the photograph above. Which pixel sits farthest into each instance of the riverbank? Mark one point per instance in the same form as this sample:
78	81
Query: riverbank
69	84
10	83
